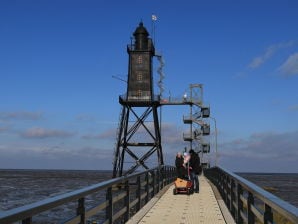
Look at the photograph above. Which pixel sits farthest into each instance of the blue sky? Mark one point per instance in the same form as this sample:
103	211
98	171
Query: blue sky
59	103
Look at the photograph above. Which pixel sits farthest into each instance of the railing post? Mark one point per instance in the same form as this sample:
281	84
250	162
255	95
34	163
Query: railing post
229	192
170	175
268	216
174	173
27	221
138	193
81	210
164	177
109	209
225	182
158	181
153	184
127	201
239	204
219	181
147	186
222	179
250	214
233	199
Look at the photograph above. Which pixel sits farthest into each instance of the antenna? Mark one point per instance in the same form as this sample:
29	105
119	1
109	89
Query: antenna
117	77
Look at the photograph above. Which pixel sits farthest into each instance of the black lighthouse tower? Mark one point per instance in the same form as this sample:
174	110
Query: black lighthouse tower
138	143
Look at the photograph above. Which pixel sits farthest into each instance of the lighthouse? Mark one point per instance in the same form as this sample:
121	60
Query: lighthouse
138	144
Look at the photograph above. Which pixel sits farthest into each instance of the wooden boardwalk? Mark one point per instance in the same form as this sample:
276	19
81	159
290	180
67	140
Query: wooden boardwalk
198	208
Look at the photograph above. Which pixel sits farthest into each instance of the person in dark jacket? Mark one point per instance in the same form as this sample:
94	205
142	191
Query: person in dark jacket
195	165
179	165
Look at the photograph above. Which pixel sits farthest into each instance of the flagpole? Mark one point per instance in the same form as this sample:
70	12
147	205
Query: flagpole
153	19
152	23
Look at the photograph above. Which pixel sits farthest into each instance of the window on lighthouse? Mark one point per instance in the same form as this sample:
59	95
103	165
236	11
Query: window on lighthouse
140	59
139	77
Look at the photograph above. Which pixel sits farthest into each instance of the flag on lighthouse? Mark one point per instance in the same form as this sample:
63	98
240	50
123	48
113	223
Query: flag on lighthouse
153	17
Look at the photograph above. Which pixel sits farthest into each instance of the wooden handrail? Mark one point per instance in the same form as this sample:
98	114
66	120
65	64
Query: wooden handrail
247	210
114	189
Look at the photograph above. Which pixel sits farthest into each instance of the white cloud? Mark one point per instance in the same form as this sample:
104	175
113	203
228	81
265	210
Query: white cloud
171	134
290	66
37	132
109	134
21	115
86	152
262	151
270	51
85	118
259	60
4	128
91	136
268	152
293	108
60	156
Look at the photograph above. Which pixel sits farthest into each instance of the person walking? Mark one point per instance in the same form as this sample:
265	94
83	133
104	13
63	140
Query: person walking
179	165
195	165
